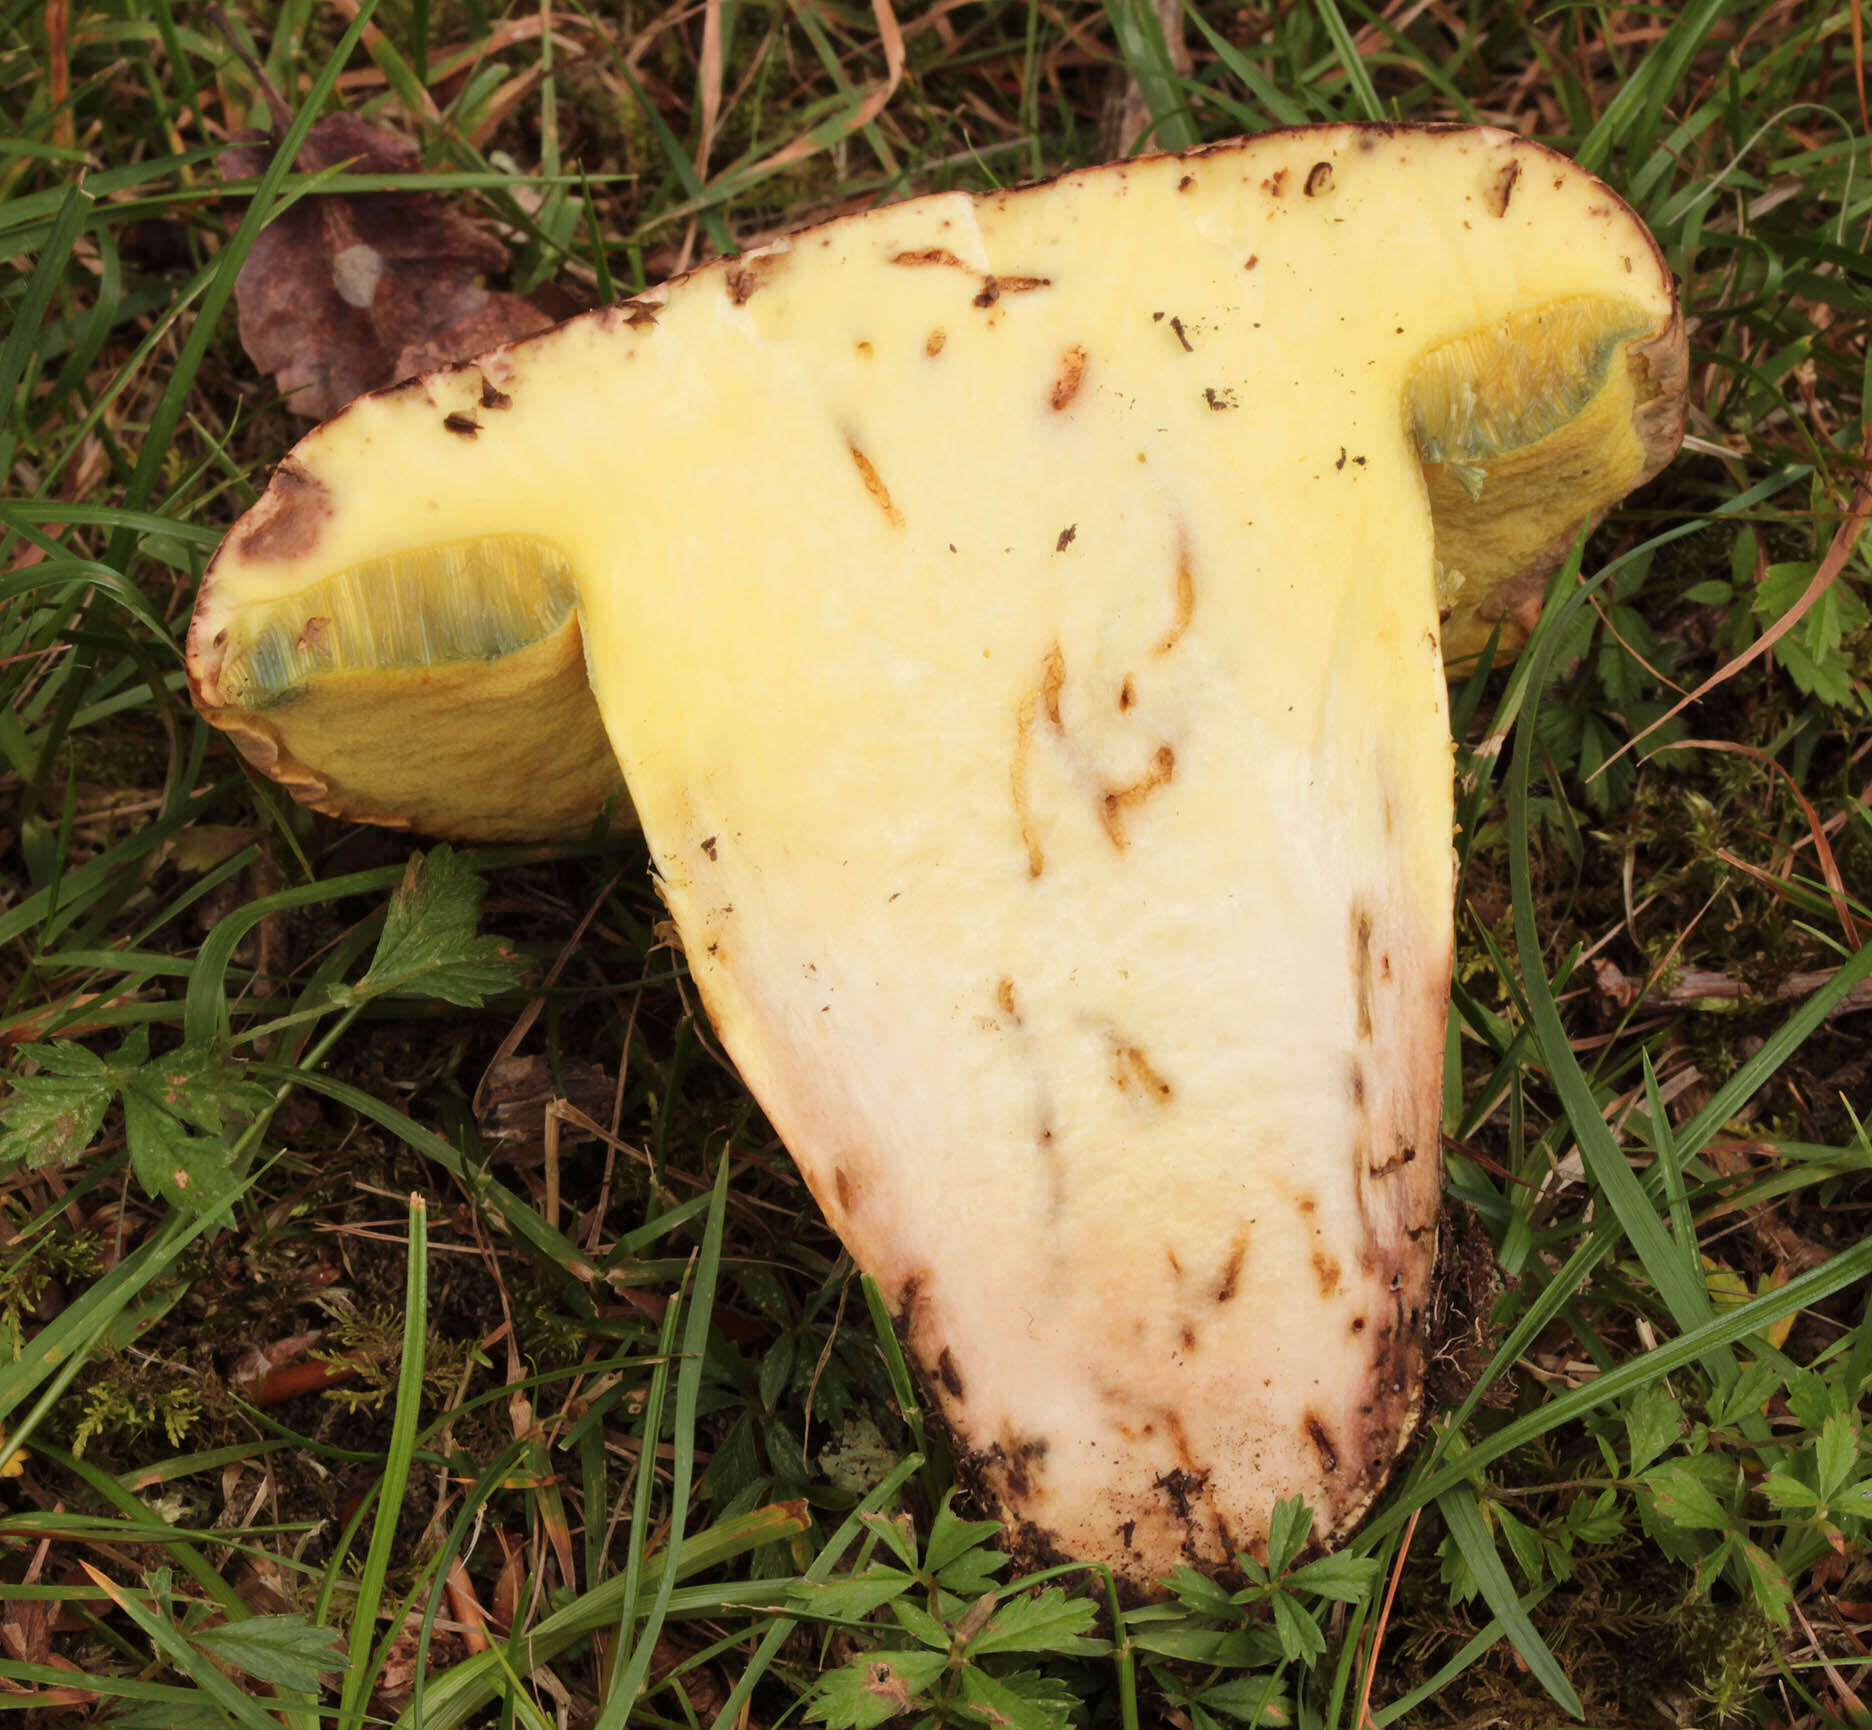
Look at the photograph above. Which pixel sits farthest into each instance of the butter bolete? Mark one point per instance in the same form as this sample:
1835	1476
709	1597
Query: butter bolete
1017	620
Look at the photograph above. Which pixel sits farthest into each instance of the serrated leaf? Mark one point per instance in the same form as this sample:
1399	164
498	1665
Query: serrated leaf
1837	1452
66	1057
973	1572
874	1690
858	1595
1049	1621
919	1624
1236	1649
1769	1585
1287	1533
1684	1499
52	1119
951	1536
194	1172
1250	1700
1198	1592
995	1703
1346	1579
1751	1391
898	1535
1653	1421
1300	1637
1789	1492
1048	1693
1596	1521
286	1651
1855	1501
430	945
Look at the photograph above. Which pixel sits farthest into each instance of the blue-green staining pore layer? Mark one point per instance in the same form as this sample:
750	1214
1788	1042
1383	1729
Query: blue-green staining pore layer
1509	385
469	601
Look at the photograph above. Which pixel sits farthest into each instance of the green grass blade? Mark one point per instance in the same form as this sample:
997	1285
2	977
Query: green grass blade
1466	1526
364	1664
626	1687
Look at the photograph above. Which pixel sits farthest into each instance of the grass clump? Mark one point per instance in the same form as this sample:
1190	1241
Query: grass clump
604	1429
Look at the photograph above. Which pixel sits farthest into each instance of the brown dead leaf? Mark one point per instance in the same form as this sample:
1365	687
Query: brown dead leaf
353	291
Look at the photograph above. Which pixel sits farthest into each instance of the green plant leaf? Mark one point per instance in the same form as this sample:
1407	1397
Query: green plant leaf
856	1595
1250	1700
1653	1420
1836	1453
951	1536
53	1119
430	946
1769	1584
1346	1579
874	1690
1685	1499
1300	1638
1287	1533
1005	1706
1789	1492
1049	1621
919	1624
285	1651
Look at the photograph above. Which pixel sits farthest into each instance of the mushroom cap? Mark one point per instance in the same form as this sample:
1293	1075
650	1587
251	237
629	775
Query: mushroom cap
475	721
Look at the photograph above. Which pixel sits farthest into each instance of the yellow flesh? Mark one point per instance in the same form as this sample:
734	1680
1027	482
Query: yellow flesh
1017	625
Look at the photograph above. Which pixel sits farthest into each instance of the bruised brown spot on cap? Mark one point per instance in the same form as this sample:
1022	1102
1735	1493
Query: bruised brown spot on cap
1067	536
1321	1438
1307	1203
1004	996
1182	336
1327	1269
1127	693
948	1374
929	255
711	846
289	518
1362	968
464	424
1402	1155
1188	1336
1118	801
492	397
1318	180
874	485
933	344
1186	183
843	1187
1132	1065
990	292
1047	693
640	314
1071	374
1052	682
1358	1084
1184	597
1501	189
1022	284
1231	1269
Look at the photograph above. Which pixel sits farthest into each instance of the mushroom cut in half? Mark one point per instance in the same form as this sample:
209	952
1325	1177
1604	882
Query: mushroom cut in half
1016	618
